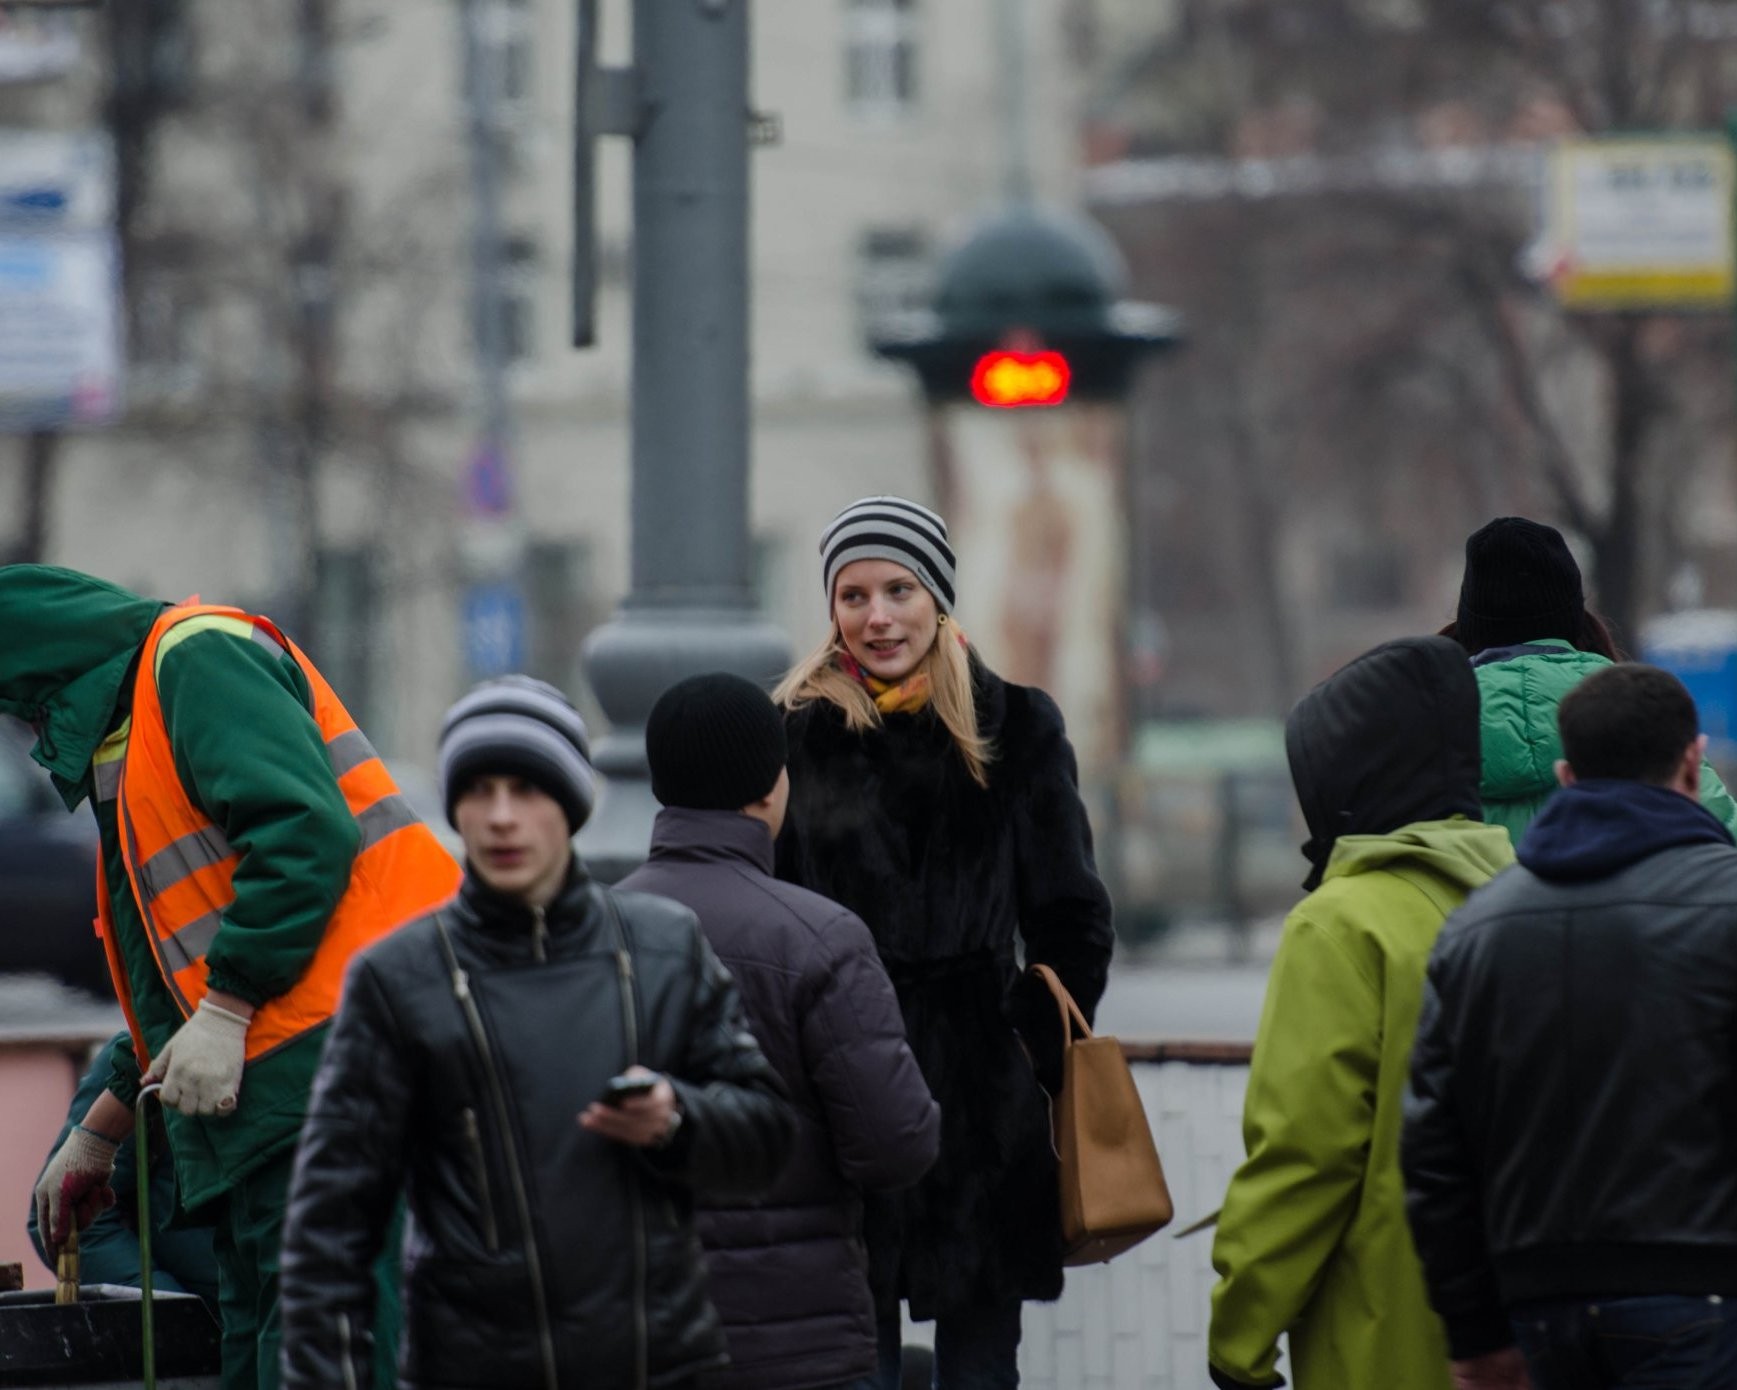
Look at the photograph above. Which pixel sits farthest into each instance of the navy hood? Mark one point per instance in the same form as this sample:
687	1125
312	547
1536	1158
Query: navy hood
1595	828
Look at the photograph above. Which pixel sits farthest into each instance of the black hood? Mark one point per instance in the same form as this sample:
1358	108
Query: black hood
1386	741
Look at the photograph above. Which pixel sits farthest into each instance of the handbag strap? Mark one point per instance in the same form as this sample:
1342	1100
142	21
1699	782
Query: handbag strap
1073	1022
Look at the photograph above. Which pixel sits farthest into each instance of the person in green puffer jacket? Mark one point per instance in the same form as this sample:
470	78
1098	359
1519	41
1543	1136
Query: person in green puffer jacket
1524	621
1312	1240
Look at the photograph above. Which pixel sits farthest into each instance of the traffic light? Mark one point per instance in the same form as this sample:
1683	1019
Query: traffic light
1004	378
1027	312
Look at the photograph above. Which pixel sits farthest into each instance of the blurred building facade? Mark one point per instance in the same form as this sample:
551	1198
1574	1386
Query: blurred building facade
303	411
1340	198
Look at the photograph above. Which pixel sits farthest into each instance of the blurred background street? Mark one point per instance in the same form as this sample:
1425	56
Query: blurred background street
472	336
1332	284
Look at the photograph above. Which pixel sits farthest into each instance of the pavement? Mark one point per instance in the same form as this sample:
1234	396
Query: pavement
1196	983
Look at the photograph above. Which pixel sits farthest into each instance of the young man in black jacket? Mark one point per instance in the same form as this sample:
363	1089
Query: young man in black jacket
789	1273
1569	1153
548	1071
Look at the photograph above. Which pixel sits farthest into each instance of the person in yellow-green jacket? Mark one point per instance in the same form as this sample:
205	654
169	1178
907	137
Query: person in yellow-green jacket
1312	1241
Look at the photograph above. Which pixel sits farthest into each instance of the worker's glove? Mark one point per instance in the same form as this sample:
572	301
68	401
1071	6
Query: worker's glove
200	1068
75	1185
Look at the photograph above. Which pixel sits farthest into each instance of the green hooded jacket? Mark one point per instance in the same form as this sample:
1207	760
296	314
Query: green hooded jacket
249	752
1518	697
1313	1239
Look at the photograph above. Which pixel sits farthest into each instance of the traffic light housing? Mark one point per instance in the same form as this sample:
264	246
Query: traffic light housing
1027	312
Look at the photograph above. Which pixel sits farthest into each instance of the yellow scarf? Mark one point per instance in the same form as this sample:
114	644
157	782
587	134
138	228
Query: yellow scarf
909	695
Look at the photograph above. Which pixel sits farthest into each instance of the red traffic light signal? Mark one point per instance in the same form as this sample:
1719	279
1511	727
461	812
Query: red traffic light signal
1005	378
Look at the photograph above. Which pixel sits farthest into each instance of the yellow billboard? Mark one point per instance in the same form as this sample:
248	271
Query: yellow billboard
1640	222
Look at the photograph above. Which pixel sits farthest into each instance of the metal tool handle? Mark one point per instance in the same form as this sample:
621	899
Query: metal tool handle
142	1159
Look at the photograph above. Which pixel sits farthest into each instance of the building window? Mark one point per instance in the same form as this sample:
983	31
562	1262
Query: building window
504	73
152	53
769	577
880	57
561	607
162	340
163	318
518	298
894	277
516	37
346	601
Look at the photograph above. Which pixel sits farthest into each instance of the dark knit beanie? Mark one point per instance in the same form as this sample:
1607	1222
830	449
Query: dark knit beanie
523	727
715	743
1520	584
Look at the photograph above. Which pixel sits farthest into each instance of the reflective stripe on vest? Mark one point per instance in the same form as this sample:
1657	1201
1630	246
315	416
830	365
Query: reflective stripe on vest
181	866
107	761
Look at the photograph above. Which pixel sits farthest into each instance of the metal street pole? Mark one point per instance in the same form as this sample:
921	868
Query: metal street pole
1013	35
690	606
40	448
491	529
482	124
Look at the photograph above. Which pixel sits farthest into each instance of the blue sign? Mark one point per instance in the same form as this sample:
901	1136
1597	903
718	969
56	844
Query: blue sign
488	483
33	202
1700	649
60	320
494	629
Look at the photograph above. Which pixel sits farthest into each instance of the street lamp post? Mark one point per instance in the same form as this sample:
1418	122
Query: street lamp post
690	606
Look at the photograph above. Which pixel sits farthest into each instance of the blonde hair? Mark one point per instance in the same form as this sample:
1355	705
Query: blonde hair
818	676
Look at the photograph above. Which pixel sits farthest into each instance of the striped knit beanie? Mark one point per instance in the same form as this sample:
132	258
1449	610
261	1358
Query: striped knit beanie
523	727
890	528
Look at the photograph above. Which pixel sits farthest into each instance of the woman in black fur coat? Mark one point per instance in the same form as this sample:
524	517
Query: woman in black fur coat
940	804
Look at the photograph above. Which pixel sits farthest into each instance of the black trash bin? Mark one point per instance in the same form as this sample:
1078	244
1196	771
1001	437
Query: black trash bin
98	1341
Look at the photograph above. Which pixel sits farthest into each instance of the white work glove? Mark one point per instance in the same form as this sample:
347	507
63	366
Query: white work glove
75	1186
200	1068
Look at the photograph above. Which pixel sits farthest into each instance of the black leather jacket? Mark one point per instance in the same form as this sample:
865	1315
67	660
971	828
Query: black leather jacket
1569	1128
473	1116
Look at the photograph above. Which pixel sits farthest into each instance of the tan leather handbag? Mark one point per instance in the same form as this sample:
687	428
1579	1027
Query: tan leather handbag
1113	1193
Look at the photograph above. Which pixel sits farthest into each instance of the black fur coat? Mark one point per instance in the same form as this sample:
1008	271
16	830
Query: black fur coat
948	875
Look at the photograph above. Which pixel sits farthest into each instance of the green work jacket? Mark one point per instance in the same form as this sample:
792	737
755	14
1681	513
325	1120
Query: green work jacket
249	752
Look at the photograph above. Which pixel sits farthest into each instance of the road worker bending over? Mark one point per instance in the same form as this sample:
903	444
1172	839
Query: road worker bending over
252	842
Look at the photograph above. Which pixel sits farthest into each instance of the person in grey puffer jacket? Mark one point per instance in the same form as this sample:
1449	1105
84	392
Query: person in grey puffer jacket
476	1065
789	1273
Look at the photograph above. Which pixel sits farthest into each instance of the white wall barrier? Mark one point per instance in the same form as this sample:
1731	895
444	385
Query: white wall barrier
1139	1323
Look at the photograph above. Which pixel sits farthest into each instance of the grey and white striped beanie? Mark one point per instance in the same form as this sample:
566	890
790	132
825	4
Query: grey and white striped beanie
521	726
890	528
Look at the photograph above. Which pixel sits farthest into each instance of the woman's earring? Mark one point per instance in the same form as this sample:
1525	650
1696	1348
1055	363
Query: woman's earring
940	620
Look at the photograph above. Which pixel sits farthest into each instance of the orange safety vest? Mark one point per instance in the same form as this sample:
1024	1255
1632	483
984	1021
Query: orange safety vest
180	866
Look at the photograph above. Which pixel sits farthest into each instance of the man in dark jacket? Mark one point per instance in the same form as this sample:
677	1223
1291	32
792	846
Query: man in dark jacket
789	1274
1569	1156
549	1071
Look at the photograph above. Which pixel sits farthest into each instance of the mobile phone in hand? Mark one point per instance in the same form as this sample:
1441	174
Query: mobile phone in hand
622	1088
